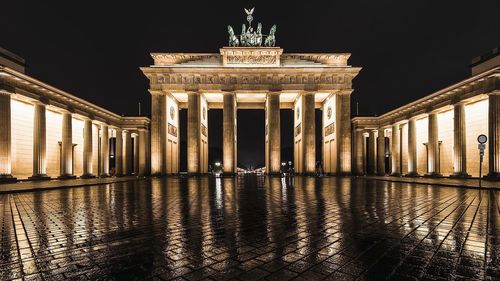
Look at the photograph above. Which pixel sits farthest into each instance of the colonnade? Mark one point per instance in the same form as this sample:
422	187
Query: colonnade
123	152
165	106
371	150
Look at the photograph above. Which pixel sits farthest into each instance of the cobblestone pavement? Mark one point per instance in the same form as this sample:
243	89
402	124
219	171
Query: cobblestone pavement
251	228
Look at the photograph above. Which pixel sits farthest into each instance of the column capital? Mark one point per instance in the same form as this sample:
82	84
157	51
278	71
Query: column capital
7	89
345	92
156	92
494	93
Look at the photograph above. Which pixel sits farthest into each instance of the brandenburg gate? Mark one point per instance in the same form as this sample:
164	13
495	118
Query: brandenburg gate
251	73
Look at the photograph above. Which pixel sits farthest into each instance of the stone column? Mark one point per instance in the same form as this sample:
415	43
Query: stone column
67	146
39	143
359	151
127	153
381	152
104	151
141	147
5	137
309	133
372	151
395	151
229	134
494	135
273	131
87	149
194	134
412	148
343	117
158	133
136	154
433	146
119	152
459	142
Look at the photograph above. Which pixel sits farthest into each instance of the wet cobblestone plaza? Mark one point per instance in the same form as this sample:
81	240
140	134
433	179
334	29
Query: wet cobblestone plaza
251	228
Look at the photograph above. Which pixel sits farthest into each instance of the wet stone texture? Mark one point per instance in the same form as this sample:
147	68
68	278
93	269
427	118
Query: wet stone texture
251	228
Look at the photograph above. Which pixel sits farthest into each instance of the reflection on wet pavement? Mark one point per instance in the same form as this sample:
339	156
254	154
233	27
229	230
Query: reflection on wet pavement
251	228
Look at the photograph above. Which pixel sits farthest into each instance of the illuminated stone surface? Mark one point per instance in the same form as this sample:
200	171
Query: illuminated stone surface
251	228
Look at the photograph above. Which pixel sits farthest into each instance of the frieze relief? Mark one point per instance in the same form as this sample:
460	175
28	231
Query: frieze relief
251	79
251	59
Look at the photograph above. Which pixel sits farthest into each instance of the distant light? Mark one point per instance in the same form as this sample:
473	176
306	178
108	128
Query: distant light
283	163
217	164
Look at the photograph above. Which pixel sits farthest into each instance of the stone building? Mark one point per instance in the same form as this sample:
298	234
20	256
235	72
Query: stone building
251	78
48	133
436	135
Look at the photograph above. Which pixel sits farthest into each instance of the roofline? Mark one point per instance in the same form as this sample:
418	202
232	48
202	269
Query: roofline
93	107
433	95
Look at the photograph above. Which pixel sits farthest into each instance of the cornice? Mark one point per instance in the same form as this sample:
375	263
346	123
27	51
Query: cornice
35	90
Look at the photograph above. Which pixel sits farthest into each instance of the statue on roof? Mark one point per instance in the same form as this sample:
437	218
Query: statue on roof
250	37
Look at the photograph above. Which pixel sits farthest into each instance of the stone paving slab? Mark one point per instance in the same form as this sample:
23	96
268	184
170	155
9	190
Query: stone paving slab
50	184
249	228
468	183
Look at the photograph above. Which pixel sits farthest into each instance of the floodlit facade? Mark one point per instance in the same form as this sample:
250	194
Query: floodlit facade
437	135
48	133
250	78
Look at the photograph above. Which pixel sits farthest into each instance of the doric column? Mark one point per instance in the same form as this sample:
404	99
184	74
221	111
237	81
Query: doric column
127	153
273	132
87	149
67	146
104	151
344	142
459	141
412	148
136	154
158	133
119	152
229	133
381	152
39	143
141	147
193	142
372	151
197	134
395	151
5	136
359	151
309	133
494	135
433	146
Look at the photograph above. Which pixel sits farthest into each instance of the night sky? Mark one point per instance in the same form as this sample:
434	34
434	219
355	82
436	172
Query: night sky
407	49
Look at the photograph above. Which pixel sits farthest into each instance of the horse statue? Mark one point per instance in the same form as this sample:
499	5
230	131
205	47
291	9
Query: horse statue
258	35
243	36
233	40
271	39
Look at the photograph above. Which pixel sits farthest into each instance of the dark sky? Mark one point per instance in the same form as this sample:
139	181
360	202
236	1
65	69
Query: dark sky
407	49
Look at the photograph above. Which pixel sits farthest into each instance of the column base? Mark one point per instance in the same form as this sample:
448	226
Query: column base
39	177
196	174
7	179
395	175
492	177
412	175
104	176
87	176
229	175
66	177
158	175
381	174
433	175
273	174
343	174
460	176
